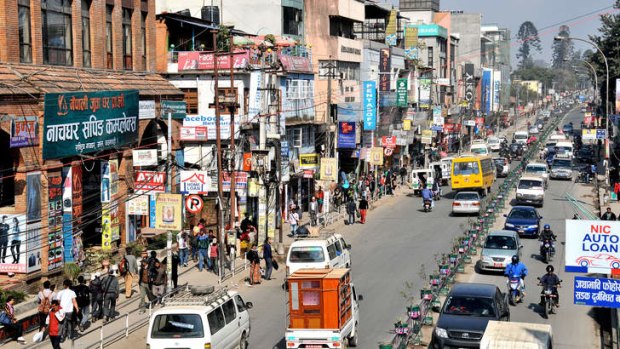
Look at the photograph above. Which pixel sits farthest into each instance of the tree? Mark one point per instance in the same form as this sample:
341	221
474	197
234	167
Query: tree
562	49
528	36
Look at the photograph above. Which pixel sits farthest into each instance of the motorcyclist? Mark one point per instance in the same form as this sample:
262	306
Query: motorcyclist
550	280
516	268
435	188
427	195
547	234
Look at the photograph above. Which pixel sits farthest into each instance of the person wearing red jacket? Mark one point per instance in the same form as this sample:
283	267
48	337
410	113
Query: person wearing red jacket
53	322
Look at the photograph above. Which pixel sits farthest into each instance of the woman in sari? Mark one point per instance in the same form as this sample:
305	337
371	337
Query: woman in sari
254	259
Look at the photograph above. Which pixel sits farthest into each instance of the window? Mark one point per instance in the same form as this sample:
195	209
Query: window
127	55
310	254
229	311
431	58
216	320
109	47
57	35
143	36
240	304
299	89
297	137
340	26
86	33
175	326
292	21
342	70
191	100
25	40
331	249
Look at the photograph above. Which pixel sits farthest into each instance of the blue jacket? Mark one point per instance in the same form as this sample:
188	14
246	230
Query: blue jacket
516	269
267	251
427	194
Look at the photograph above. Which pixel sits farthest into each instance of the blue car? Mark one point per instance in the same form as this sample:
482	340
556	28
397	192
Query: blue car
568	129
525	220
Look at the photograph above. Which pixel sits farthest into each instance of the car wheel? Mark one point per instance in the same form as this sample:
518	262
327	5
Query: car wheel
243	342
353	339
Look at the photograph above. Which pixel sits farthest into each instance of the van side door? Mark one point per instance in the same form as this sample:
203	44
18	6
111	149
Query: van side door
217	324
232	329
334	259
346	252
243	316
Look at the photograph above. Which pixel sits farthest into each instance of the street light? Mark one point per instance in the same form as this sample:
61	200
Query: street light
593	73
560	38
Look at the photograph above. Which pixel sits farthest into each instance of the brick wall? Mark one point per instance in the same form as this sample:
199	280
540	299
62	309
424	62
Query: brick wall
9	32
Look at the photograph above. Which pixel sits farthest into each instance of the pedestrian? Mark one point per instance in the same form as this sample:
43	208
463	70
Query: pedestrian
351	210
320	196
131	272
182	245
403	175
213	255
313	208
54	321
44	298
203	244
254	260
82	293
246	222
608	216
68	303
160	281
144	283
153	259
176	261
9	321
363	207
293	220
96	297
110	295
268	257
193	243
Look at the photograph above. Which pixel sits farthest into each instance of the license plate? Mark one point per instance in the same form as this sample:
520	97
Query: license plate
521	231
314	346
498	265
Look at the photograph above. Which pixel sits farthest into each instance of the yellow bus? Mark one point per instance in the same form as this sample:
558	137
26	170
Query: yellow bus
471	172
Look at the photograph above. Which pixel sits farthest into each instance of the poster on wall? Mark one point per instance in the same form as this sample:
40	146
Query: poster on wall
76	189
54	235
24	131
329	169
106	231
13	247
113	178
32	246
67	214
33	186
169	212
105	181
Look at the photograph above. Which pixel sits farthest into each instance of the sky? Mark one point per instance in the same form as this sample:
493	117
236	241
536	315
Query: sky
547	16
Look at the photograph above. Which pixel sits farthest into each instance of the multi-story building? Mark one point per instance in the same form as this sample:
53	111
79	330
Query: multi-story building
495	54
419	5
77	94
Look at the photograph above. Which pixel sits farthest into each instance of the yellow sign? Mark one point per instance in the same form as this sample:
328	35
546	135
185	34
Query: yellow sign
169	212
106	231
406	125
329	169
376	156
308	161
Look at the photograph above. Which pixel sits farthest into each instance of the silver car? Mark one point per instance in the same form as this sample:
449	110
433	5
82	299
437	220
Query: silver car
499	247
466	202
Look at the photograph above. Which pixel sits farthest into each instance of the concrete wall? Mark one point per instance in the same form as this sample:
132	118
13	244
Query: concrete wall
467	25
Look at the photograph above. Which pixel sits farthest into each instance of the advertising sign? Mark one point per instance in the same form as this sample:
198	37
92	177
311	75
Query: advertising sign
105	181
388	142
385	67
196	60
106	230
195	182
427	137
241	181
24	132
425	93
85	122
329	169
209	122
54	221
406	125
469	82
150	182
152	198
346	135
592	246
295	63
146	110
67	213
592	134
177	108
617	95
402	87
597	292
138	205
145	157
169	212
196	133
497	80
390	29
33	204
31	247
308	161
411	42
370	105
376	156
486	91
14	247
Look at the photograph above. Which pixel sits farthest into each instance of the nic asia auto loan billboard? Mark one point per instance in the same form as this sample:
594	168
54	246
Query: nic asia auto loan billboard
592	246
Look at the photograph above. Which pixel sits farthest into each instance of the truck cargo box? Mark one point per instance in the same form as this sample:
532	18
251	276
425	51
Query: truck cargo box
516	335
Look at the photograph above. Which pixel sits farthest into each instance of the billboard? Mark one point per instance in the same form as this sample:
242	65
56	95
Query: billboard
346	135
597	292
385	67
370	105
497	81
209	121
592	246
24	132
411	41
169	212
329	169
486	91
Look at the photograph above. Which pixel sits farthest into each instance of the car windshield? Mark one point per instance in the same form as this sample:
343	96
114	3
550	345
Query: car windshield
561	163
466	168
521	136
469	306
522	214
515	146
529	184
536	169
501	242
479	150
307	254
493	141
466	197
177	326
499	161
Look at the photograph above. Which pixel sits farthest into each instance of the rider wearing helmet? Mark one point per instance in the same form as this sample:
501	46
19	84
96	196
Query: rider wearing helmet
550	280
516	268
427	194
547	234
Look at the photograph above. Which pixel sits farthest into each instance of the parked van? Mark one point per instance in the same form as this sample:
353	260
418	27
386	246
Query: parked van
330	251
521	137
199	319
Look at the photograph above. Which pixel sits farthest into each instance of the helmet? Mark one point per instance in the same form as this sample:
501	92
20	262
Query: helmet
550	269
547	226
515	259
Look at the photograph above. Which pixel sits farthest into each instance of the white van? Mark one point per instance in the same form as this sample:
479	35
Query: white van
479	149
521	137
219	320
330	251
565	149
531	190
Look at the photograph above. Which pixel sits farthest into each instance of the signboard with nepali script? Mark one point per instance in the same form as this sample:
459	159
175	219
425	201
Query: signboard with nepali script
597	292
24	131
85	122
196	60
592	246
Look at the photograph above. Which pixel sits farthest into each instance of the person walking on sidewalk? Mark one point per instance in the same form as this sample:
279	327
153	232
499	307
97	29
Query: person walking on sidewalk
160	281
82	293
175	268
320	196
144	283
96	296
293	220
203	244
213	256
9	321
351	210
131	272
45	298
54	321
268	257
68	303
254	260
313	208
193	243
363	207
110	295
182	244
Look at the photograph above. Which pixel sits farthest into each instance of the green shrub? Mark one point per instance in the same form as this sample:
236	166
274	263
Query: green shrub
19	296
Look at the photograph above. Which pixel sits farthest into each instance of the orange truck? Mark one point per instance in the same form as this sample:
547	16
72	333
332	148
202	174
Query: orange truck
323	309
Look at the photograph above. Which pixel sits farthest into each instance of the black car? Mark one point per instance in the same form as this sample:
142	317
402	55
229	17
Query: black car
585	154
516	150
465	314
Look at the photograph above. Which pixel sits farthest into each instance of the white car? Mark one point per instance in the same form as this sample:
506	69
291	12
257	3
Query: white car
493	143
467	202
531	190
479	149
533	130
538	169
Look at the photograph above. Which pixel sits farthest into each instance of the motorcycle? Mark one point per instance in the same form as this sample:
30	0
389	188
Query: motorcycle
583	176
547	250
515	293
427	205
437	194
549	300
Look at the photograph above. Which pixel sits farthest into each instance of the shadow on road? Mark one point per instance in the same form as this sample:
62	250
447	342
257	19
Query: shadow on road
602	317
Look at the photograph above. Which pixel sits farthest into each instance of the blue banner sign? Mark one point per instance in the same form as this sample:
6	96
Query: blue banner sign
346	135
597	292
370	105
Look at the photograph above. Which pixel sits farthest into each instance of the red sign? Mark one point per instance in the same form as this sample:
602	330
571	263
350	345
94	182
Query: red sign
241	180
479	121
309	174
295	64
150	182
388	142
448	128
247	162
193	203
195	60
197	133
388	151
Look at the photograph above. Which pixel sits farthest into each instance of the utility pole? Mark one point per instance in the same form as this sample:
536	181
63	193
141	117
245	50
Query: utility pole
169	190
231	109
328	149
218	142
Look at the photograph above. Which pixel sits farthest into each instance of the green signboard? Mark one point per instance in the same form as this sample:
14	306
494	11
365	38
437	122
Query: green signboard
86	122
401	92
178	109
431	30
